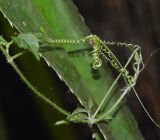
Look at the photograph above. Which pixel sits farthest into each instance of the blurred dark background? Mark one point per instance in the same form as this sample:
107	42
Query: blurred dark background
24	117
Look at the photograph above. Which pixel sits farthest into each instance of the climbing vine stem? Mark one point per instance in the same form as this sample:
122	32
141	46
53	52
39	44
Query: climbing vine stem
112	86
99	47
38	93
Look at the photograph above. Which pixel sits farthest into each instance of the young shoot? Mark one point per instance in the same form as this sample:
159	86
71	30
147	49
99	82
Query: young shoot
99	48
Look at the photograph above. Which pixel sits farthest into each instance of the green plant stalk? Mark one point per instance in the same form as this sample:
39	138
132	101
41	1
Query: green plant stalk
111	88
42	96
60	19
35	91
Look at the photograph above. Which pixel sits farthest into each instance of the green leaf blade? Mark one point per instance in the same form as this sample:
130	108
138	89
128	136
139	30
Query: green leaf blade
30	42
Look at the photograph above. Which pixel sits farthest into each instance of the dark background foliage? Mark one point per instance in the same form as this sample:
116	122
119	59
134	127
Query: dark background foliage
134	21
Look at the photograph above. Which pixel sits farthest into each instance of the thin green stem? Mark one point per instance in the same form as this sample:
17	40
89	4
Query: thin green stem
124	93
15	56
107	94
38	93
114	83
144	108
8	45
119	100
115	105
